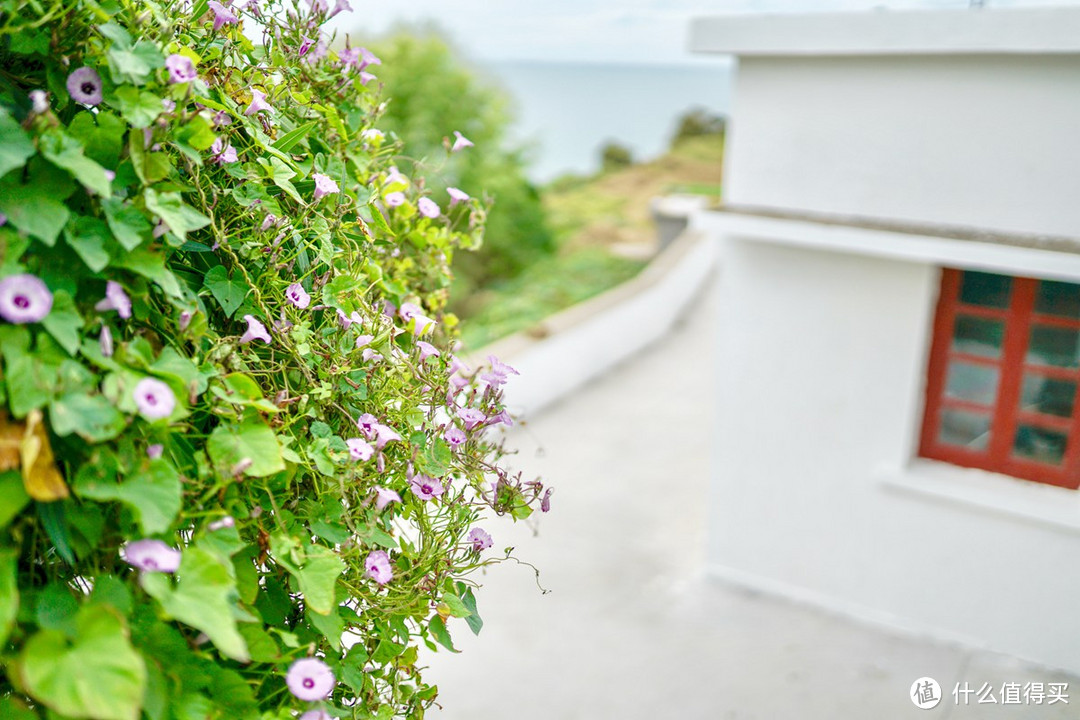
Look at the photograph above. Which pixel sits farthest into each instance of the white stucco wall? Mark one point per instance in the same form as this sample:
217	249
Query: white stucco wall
938	119
982	140
817	492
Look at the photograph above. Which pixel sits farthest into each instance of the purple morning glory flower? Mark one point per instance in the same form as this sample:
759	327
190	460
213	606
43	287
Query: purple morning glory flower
305	46
471	417
422	324
155	451
180	67
503	417
359	450
454	436
349	56
368	58
223	152
324	186
426	488
456	366
362	340
384	497
255	330
310	679
460	142
456	195
154	399
258	103
500	372
341	6
185	319
384	434
479	538
426	350
318	53
24	299
498	366
377	566
459	383
115	299
222	15
367	423
347	321
3	219
545	502
105	341
428	208
84	86
366	77
296	294
394	199
411	312
151	556
221	118
268	222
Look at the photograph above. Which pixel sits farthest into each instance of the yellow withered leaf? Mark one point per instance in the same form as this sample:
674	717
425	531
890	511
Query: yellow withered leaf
11	434
41	478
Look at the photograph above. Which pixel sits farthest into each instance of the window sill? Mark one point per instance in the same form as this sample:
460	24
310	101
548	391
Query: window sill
985	492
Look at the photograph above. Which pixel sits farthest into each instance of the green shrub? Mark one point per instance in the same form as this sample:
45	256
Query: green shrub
615	156
698	122
231	425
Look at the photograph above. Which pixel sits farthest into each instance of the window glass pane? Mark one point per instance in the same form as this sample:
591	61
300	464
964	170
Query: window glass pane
974	383
1039	444
1054	346
1047	395
985	289
978	336
1058	298
967	429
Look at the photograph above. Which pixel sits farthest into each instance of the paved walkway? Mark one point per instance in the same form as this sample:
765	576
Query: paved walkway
631	628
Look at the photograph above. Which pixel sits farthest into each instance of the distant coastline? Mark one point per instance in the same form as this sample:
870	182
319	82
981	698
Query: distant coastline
566	111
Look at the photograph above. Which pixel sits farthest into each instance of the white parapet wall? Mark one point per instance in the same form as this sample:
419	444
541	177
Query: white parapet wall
956	117
583	342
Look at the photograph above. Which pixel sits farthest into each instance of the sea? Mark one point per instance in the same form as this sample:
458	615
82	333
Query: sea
566	112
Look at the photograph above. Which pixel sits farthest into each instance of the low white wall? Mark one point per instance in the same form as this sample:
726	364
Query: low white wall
589	339
816	492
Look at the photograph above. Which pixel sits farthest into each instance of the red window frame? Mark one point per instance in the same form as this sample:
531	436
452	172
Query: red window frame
1005	414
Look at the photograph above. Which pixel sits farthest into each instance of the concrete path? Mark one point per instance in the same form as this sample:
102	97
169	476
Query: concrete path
632	629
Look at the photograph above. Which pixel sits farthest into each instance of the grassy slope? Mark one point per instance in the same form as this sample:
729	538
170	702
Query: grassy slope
605	237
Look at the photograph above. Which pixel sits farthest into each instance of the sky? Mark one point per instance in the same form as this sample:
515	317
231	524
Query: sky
622	31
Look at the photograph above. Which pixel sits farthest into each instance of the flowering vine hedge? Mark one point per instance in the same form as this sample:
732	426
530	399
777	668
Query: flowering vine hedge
241	470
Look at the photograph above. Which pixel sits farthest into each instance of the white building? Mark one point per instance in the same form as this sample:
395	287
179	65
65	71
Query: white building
899	333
